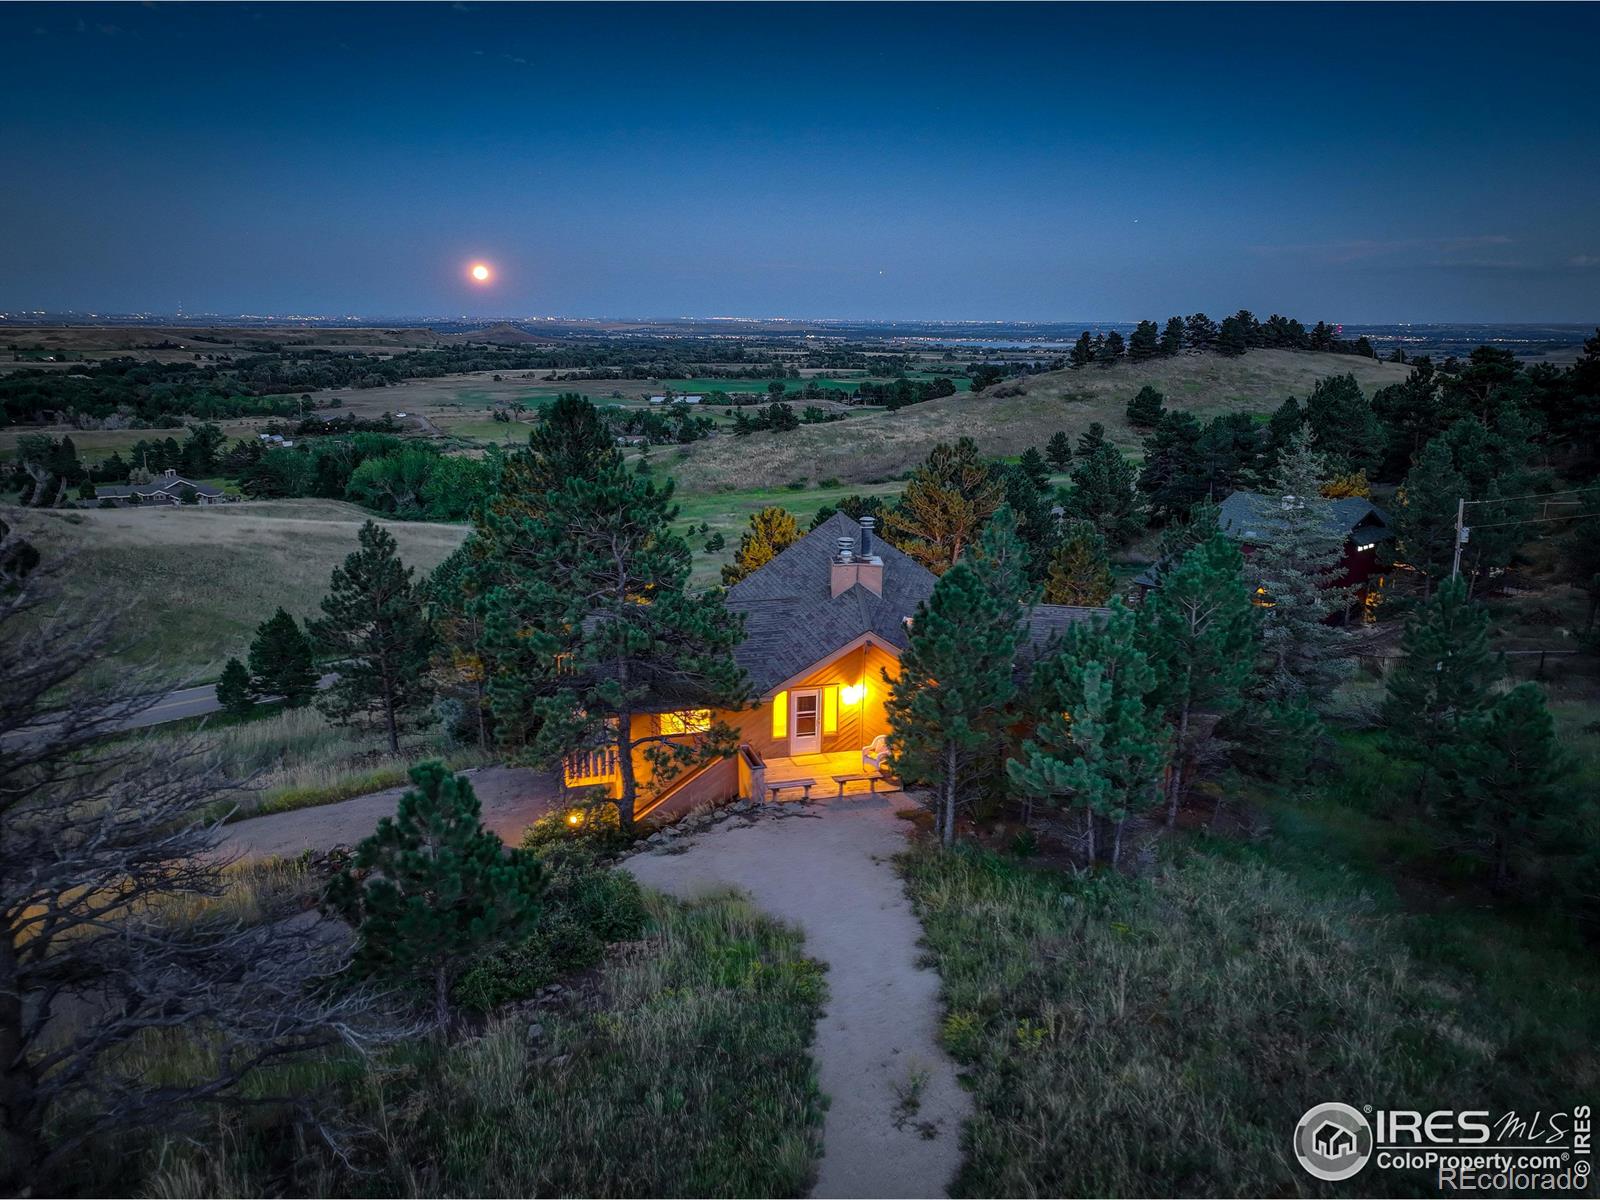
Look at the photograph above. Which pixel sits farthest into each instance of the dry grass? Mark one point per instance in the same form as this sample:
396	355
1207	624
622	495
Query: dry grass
1161	1037
883	445
196	582
689	1075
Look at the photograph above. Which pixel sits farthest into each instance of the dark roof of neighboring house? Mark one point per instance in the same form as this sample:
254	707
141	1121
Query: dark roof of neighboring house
1243	514
792	620
157	486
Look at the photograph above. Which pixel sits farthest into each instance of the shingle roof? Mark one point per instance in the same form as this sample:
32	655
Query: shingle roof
792	621
1243	514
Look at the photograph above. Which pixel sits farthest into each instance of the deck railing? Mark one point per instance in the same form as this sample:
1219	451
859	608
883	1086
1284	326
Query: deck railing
590	766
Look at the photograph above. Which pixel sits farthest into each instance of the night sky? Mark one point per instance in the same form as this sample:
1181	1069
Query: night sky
1360	164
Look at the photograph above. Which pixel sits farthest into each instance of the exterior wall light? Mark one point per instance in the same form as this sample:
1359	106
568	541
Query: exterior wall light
851	694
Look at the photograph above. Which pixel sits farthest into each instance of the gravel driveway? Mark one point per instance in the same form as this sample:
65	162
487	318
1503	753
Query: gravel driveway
512	798
895	1107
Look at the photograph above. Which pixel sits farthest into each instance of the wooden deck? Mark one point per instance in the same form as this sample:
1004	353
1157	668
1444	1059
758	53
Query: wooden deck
822	768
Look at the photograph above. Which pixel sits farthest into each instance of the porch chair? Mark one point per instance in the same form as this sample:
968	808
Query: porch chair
875	757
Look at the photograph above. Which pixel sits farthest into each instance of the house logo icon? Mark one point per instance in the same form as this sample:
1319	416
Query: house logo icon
1333	1141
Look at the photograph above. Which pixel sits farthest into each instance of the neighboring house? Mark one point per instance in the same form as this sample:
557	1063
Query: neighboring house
1246	516
166	488
276	441
825	622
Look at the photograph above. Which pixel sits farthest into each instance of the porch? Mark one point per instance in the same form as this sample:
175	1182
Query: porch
821	768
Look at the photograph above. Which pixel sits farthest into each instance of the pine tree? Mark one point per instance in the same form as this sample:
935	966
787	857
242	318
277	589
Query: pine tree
588	624
234	692
1505	778
1442	680
1425	512
1080	570
1082	350
1145	410
1172	337
1200	332
1171	476
1287	420
1098	741
1033	466
1059	450
432	889
1144	342
1031	510
1091	439
571	439
772	531
954	685
1104	492
1296	566
373	625
281	662
1233	339
1202	524
944	506
1003	560
1344	429
1201	630
1110	351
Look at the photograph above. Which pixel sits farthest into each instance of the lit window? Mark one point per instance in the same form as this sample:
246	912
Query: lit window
830	710
693	720
1368	546
780	715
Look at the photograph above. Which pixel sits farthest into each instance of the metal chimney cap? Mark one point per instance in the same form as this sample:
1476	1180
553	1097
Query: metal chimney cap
867	522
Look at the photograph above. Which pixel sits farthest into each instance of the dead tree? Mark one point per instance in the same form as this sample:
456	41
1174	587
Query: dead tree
107	859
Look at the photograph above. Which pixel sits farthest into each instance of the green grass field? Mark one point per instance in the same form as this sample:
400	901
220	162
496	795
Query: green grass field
192	584
95	444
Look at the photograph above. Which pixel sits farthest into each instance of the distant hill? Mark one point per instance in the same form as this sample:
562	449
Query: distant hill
882	445
503	334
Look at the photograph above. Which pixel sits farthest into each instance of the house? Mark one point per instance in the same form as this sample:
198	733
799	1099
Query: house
1334	1141
166	488
658	399
687	399
1247	518
826	622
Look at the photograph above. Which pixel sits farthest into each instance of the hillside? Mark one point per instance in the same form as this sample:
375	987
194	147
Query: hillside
875	446
195	582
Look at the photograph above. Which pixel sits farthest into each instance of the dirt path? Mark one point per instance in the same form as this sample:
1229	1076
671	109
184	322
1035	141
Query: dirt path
512	797
895	1107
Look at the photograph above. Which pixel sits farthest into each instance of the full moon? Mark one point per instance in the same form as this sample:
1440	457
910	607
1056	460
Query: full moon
480	272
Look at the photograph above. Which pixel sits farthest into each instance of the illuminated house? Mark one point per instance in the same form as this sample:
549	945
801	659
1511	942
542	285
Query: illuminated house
825	622
1247	518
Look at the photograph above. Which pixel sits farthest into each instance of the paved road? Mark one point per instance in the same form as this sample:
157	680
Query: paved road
832	876
189	702
512	799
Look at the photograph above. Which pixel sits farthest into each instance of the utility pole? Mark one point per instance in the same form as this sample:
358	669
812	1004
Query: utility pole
1461	536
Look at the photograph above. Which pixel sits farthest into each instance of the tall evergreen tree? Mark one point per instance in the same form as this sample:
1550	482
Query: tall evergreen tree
1200	332
955	682
1296	566
1172	337
1091	439
772	531
1059	450
1202	524
1425	513
571	439
234	691
1083	352
452	592
1035	468
1104	492
1144	342
1344	429
1080	570
1444	678
374	625
1031	510
1098	742
432	889
281	661
944	506
1286	421
1111	350
1505	778
1202	631
1170	476
588	625
1146	409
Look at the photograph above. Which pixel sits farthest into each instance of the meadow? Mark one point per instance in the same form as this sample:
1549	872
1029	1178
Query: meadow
191	584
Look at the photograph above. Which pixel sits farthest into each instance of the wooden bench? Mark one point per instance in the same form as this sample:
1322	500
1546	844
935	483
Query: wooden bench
777	785
872	781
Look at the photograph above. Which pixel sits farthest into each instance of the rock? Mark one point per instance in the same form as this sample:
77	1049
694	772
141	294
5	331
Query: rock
535	1031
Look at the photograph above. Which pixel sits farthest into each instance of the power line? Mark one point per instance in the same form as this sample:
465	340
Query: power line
1535	495
1531	521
